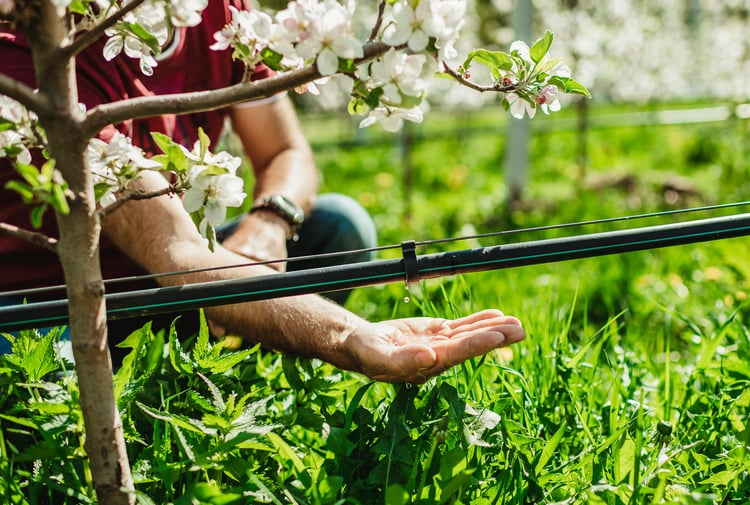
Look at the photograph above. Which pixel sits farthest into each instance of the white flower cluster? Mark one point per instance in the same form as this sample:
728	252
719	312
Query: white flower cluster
143	32
543	96
306	31
114	164
320	32
17	130
213	185
209	181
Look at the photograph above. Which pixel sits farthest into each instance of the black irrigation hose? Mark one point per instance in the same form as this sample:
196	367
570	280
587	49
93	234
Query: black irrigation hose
409	269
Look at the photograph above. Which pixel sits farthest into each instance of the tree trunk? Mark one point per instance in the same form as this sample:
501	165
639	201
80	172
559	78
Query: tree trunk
79	255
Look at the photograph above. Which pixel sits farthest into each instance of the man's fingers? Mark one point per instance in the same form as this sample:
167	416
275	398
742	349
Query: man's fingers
454	351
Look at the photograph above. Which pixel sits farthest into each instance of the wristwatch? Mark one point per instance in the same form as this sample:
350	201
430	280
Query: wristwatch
284	208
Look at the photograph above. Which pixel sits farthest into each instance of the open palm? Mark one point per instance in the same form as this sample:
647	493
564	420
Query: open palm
415	349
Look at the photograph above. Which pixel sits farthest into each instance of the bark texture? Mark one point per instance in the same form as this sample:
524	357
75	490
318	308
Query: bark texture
78	249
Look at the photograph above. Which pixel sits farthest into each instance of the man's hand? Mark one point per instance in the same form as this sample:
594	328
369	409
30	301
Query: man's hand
415	349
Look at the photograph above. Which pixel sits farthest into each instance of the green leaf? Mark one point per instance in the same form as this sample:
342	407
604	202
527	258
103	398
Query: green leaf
549	449
23	189
290	455
271	59
37	215
541	47
569	85
6	124
496	60
172	150
30	173
396	495
624	460
205	142
41	360
58	199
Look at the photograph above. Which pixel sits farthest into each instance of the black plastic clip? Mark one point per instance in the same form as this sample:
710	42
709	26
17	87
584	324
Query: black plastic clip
411	269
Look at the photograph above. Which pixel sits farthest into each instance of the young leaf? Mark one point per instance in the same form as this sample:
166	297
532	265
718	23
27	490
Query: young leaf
541	47
569	85
172	150
494	60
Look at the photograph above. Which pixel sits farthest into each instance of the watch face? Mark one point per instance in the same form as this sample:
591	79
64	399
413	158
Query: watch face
288	207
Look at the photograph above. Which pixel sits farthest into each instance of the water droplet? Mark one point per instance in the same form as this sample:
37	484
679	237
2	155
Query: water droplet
407	299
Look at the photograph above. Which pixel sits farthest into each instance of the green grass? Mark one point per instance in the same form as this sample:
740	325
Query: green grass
632	386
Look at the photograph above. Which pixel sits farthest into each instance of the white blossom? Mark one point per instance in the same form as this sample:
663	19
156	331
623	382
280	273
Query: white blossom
213	192
116	163
440	20
186	12
409	26
328	37
152	18
520	106
399	73
212	185
17	140
392	118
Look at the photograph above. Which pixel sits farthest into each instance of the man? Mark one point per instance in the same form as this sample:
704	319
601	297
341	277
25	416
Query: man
157	235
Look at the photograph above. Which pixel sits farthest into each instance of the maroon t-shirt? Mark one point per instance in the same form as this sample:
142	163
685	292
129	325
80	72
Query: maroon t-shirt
190	66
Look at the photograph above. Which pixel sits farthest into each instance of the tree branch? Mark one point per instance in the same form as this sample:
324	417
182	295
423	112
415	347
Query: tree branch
137	194
93	35
23	94
200	101
378	22
35	238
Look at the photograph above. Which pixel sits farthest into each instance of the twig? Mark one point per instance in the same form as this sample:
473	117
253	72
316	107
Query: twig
35	238
378	22
496	87
23	94
200	101
137	194
93	35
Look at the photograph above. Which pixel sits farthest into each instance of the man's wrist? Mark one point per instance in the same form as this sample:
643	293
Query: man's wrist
283	208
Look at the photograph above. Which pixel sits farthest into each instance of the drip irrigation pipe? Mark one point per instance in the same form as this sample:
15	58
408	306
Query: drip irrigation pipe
408	269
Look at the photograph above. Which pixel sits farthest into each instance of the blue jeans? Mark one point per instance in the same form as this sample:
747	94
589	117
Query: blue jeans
337	223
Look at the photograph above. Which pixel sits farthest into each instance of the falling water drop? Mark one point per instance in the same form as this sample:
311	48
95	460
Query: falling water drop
407	299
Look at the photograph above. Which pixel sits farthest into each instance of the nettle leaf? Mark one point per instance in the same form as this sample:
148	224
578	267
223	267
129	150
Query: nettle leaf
177	421
570	85
178	357
41	359
541	47
218	401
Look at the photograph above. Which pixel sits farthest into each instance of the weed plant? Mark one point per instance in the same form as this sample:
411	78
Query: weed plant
632	386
